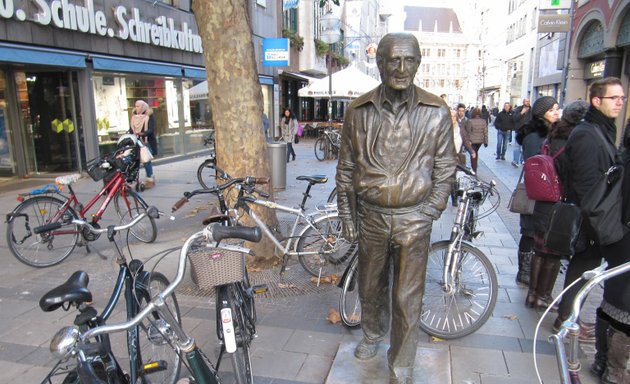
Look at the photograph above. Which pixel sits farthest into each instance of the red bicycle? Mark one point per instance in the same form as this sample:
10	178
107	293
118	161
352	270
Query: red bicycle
33	233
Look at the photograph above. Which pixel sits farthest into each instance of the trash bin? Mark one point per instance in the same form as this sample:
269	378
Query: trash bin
278	163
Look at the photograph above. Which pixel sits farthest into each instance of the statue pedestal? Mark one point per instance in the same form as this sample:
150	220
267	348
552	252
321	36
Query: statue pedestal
432	366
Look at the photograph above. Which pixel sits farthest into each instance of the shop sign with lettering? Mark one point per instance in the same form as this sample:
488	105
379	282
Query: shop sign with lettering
553	23
121	22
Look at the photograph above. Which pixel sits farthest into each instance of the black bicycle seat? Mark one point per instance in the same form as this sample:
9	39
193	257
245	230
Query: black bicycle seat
72	291
314	179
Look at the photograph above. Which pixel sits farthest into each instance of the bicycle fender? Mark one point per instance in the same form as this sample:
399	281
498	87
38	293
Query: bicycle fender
61	198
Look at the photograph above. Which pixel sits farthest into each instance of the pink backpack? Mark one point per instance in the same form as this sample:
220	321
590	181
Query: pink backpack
541	179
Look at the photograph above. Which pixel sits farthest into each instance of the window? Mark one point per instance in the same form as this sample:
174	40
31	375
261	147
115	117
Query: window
457	53
426	52
441	82
441	52
290	20
426	83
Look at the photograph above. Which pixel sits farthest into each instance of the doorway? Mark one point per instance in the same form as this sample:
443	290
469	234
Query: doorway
49	121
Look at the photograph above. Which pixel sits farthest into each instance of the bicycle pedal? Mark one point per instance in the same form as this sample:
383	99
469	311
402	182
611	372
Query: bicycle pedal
261	288
154	366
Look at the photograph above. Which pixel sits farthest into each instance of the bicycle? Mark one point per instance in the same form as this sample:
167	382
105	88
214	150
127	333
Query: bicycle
49	205
569	364
315	237
461	285
206	172
150	356
233	325
327	146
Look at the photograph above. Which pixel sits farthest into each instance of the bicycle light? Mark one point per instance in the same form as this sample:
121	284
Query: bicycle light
64	341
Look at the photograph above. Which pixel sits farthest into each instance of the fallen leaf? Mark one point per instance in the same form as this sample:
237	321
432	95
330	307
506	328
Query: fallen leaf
254	269
285	285
510	317
332	279
333	316
436	339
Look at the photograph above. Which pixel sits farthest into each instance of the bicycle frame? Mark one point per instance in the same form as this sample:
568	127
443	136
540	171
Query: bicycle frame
292	239
109	190
570	366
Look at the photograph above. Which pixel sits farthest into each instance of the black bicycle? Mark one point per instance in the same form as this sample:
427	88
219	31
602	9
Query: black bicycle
151	357
206	172
327	145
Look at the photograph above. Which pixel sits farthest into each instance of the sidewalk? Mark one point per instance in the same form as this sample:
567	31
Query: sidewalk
295	344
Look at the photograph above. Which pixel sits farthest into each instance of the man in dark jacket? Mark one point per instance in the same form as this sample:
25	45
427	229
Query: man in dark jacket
396	165
521	116
587	158
504	125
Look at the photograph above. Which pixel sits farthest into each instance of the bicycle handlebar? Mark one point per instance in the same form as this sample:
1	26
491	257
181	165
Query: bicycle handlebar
151	212
212	234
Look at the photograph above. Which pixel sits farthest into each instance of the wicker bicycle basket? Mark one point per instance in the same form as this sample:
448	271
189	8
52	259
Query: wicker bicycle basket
211	267
95	171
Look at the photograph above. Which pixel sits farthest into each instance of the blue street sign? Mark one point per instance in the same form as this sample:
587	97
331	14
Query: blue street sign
276	52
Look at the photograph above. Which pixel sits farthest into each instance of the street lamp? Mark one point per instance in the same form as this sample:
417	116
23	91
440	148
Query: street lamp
330	34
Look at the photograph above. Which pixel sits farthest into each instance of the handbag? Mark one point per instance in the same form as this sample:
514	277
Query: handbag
519	202
602	204
563	228
297	139
145	154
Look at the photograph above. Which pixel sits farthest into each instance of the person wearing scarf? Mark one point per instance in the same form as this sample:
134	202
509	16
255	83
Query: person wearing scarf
587	158
143	126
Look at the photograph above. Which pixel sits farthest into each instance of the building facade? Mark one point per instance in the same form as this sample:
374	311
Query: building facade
71	71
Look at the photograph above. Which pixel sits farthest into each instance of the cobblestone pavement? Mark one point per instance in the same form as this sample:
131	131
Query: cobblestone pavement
296	343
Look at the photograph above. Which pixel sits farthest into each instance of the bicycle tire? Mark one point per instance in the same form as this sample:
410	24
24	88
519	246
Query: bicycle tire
153	345
333	251
349	303
332	198
230	296
47	248
321	148
451	316
207	174
130	207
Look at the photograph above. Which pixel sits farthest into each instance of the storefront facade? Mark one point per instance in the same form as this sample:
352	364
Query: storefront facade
71	71
600	48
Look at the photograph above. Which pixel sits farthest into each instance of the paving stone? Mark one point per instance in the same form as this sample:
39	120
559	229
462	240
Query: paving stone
468	363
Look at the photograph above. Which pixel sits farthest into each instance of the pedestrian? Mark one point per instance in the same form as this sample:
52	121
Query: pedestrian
461	115
504	125
531	137
587	158
265	126
613	316
521	115
288	127
396	166
545	263
485	114
477	130
143	126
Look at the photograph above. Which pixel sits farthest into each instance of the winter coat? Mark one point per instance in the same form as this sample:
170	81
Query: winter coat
504	121
521	119
477	129
288	129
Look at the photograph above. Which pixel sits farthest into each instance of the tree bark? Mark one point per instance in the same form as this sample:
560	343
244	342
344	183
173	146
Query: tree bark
236	99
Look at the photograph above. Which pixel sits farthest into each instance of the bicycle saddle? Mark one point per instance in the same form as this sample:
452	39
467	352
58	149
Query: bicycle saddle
67	179
314	179
72	291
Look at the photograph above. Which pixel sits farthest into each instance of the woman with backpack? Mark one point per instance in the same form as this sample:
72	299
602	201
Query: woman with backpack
545	263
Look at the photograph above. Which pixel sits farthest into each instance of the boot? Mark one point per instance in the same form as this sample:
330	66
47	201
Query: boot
535	266
546	281
601	346
523	274
618	354
149	182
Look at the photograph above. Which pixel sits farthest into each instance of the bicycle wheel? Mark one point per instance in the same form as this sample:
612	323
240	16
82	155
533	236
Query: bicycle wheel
231	296
206	174
466	309
47	248
332	198
129	205
349	303
321	148
154	345
322	250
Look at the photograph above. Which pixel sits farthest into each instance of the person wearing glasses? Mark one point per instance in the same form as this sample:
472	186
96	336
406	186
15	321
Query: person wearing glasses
587	158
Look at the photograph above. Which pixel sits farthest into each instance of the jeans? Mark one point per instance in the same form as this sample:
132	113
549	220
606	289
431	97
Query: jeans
502	142
148	167
517	155
290	151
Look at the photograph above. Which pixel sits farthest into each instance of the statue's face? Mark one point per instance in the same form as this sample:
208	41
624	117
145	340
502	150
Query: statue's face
399	64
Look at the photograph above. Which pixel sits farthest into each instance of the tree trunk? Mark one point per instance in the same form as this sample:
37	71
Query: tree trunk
235	96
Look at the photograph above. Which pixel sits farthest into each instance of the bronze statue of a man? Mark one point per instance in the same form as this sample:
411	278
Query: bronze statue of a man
396	167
